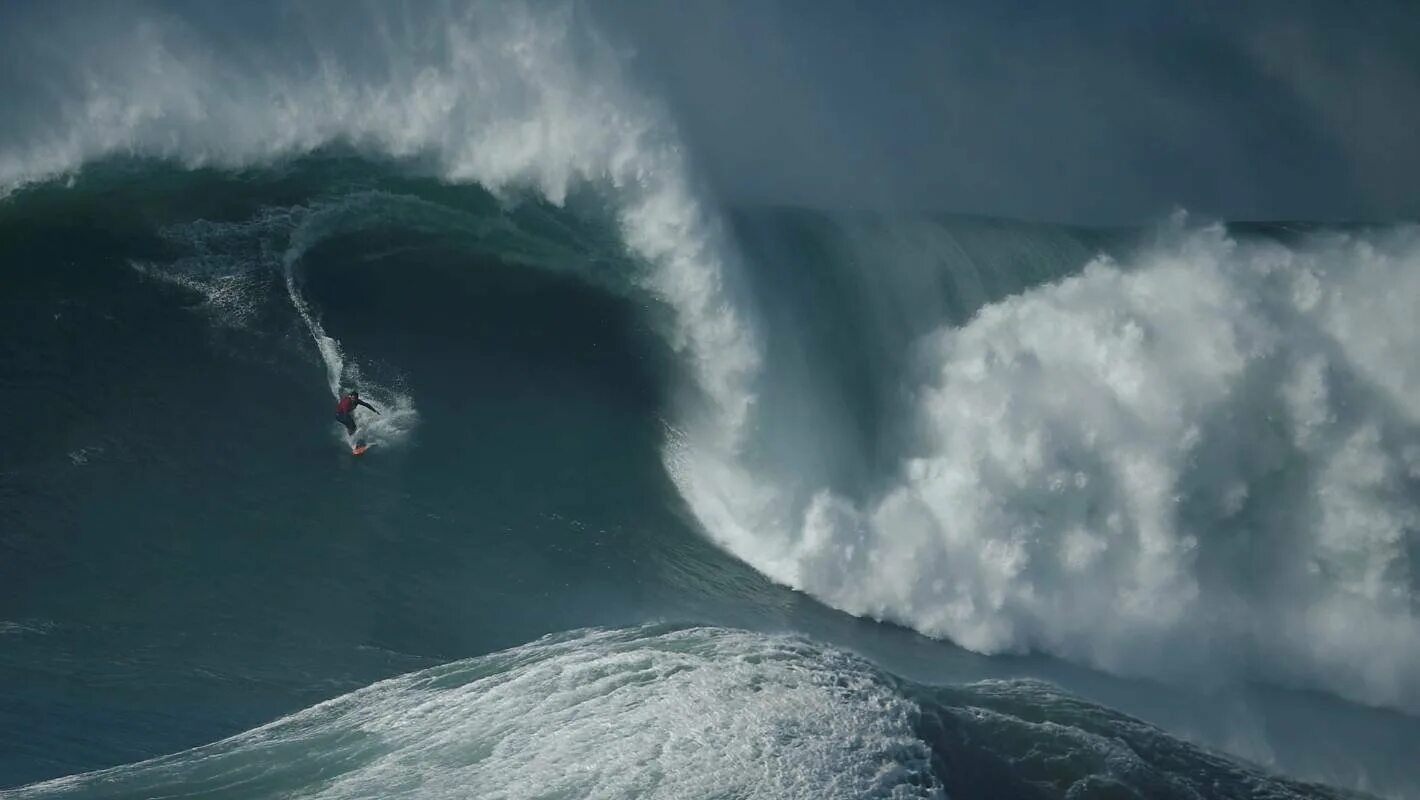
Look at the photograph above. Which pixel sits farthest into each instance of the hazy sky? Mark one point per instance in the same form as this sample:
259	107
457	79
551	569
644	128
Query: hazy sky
1091	111
1088	111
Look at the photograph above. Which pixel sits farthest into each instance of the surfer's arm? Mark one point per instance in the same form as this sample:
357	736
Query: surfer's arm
367	405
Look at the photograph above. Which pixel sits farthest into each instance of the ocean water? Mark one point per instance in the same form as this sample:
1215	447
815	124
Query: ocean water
669	497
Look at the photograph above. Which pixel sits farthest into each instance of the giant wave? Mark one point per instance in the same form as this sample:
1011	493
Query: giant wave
1074	476
1187	454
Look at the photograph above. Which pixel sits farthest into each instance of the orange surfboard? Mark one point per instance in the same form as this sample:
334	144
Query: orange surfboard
359	448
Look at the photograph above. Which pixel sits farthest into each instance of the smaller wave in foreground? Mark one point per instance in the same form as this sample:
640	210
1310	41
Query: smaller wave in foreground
659	712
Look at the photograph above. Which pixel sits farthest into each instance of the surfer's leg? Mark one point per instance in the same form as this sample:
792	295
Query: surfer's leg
348	422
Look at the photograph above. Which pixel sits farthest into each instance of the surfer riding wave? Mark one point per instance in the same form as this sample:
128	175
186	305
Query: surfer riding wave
345	411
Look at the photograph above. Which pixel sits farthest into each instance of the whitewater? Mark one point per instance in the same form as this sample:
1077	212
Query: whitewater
1197	465
1173	469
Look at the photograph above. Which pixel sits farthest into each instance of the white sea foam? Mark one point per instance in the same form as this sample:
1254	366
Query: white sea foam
678	714
1199	465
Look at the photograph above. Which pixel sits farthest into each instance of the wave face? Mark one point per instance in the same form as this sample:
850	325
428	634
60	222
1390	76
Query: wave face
1185	454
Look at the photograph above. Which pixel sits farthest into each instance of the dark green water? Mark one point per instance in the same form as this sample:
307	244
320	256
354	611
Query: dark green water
187	552
196	556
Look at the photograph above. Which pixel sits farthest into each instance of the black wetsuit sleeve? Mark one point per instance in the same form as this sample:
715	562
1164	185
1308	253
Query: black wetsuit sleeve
367	405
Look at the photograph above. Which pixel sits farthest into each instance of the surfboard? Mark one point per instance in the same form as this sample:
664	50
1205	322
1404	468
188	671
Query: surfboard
359	448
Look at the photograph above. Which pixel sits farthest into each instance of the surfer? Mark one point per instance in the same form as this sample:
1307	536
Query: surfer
345	410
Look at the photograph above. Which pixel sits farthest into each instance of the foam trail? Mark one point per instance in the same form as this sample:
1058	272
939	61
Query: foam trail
330	352
397	415
1202	465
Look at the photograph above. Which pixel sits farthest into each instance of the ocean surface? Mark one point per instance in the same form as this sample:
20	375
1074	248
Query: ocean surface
671	497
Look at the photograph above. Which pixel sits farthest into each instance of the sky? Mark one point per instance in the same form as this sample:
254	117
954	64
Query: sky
1096	111
1082	111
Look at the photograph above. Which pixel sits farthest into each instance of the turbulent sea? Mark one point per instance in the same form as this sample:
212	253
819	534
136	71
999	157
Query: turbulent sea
669	497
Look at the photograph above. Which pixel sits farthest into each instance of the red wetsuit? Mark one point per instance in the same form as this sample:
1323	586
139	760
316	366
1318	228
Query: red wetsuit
345	411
